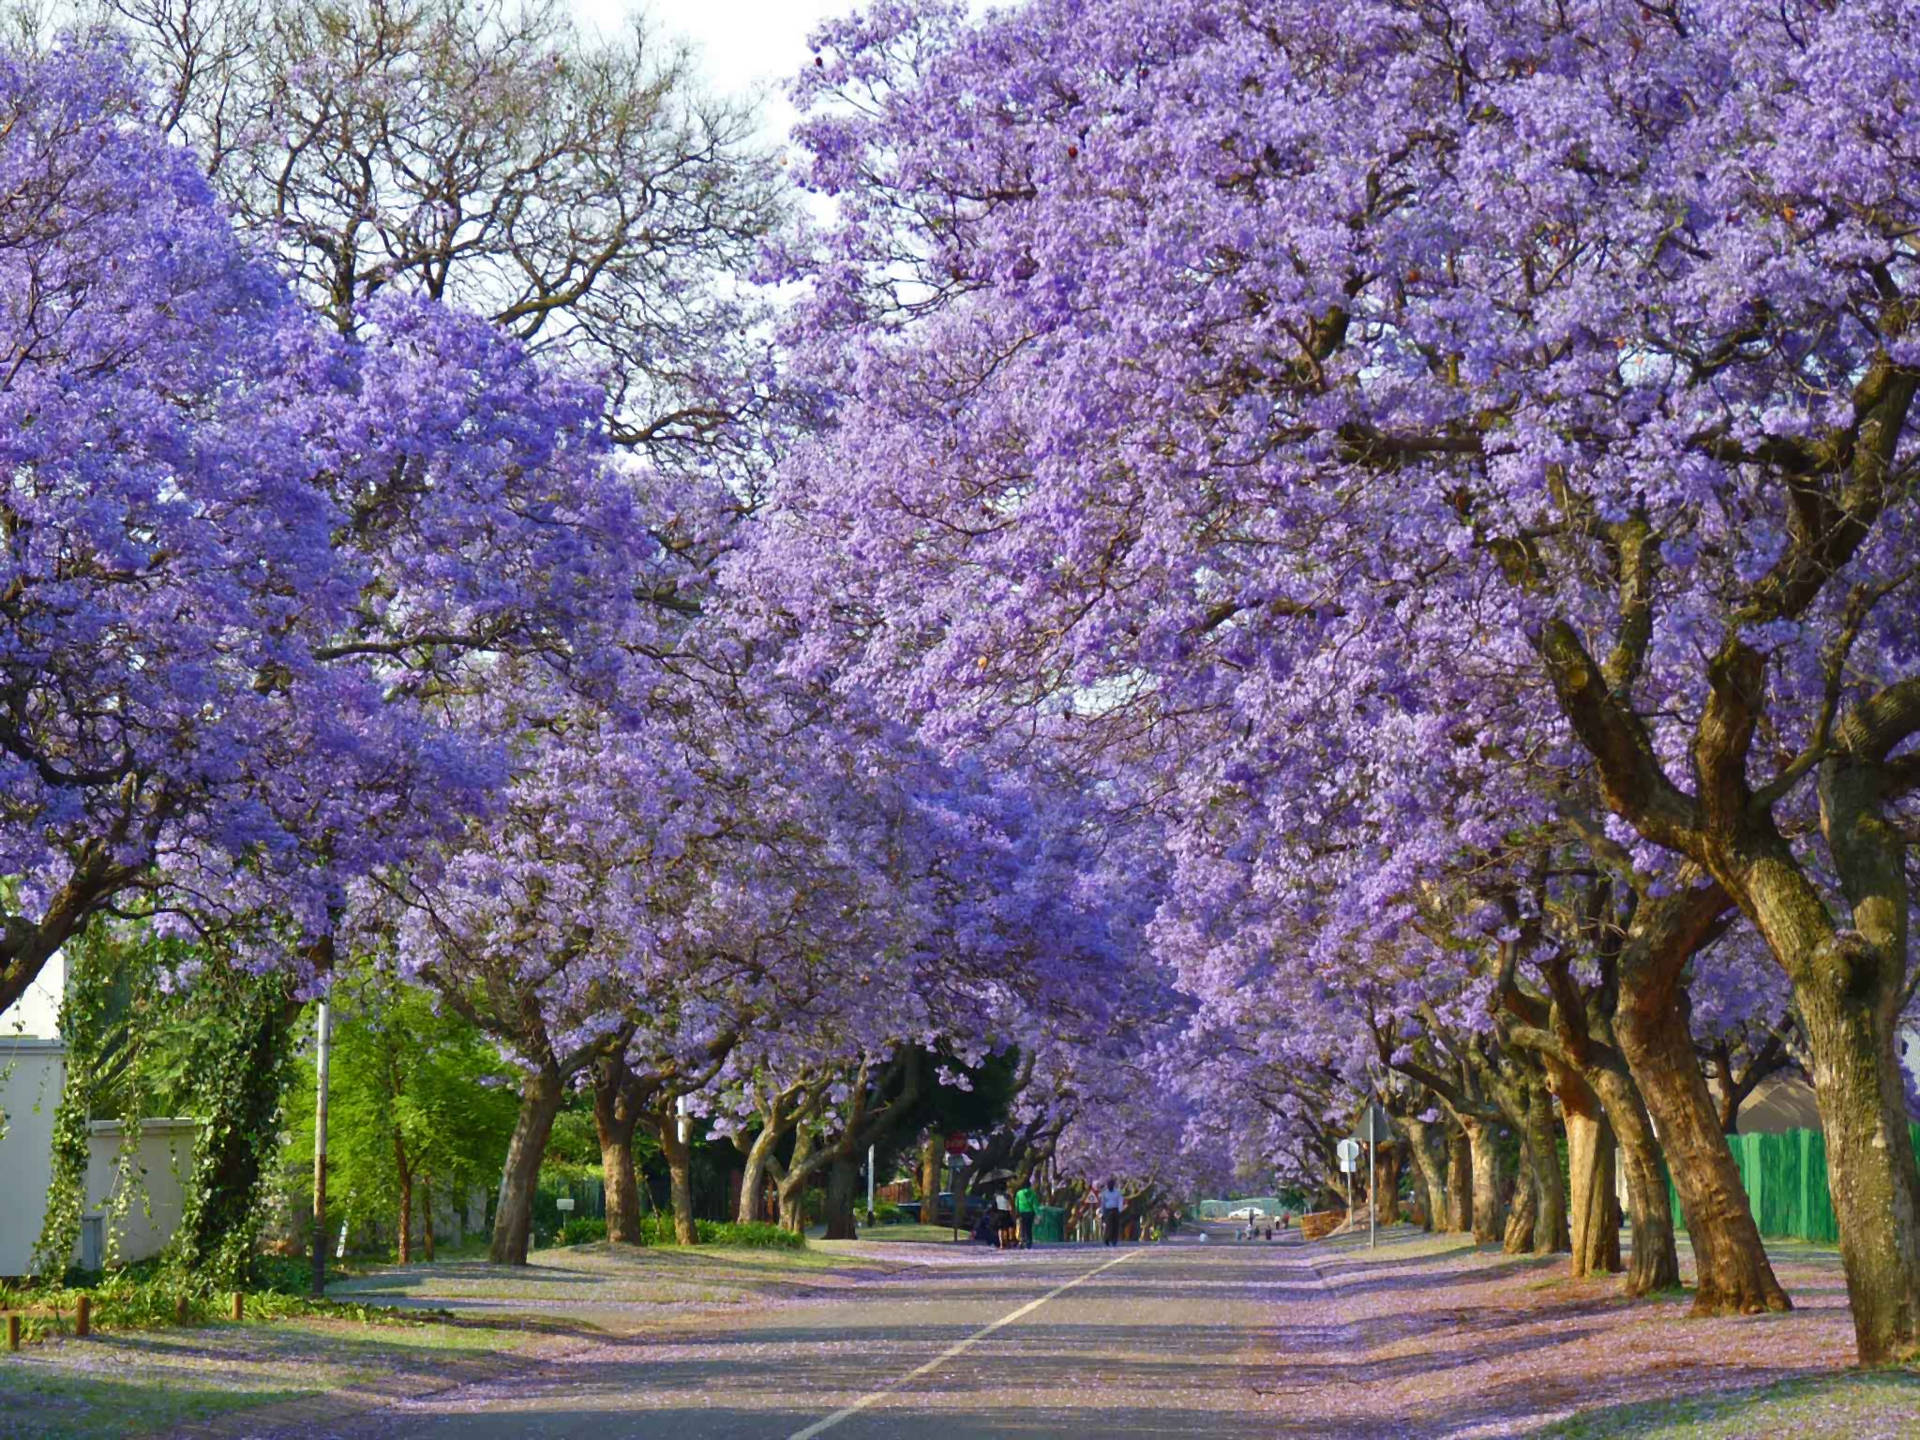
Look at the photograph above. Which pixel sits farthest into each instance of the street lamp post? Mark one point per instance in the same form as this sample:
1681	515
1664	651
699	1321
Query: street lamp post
324	1025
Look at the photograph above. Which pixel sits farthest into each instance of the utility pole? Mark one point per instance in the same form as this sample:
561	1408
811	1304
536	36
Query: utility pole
870	1150
324	1027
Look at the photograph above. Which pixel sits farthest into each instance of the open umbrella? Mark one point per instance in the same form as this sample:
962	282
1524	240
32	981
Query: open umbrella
993	1175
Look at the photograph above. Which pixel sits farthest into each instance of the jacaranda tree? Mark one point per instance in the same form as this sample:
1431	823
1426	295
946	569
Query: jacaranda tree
1311	364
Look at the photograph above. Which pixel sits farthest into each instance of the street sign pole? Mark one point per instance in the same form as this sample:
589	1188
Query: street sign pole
324	1026
1349	1152
1373	1188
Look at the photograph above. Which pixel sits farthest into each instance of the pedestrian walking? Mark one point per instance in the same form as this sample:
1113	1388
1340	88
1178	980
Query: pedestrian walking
1111	1204
1003	1217
1026	1205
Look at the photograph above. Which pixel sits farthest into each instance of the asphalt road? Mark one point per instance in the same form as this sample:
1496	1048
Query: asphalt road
1064	1341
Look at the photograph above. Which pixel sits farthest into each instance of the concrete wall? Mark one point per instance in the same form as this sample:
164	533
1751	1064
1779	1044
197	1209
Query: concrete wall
32	1073
156	1178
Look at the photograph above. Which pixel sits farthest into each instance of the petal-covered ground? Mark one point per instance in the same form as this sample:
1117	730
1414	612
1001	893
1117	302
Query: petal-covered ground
1423	1337
1428	1336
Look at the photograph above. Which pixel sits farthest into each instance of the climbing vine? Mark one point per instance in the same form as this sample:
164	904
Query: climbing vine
243	1026
83	1023
105	1015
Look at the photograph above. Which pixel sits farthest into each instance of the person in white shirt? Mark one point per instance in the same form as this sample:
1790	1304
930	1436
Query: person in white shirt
1111	1204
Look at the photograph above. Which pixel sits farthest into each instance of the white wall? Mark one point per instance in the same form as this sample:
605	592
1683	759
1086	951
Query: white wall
37	1013
156	1181
32	1073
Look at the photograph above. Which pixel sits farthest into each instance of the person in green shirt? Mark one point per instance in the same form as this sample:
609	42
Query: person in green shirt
1026	1205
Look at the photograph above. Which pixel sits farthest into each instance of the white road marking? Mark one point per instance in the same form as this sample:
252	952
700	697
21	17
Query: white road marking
820	1426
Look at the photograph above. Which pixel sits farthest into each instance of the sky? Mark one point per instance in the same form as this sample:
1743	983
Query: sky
743	47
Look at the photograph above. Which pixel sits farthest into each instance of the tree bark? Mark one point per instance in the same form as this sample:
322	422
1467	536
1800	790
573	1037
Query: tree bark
1550	1230
792	1184
1870	1163
1654	1264
1428	1146
1735	1276
1518	1236
405	1248
1485	1160
679	1157
1521	1215
540	1096
1383	1186
1850	984
932	1151
1593	1211
843	1183
622	1180
753	1173
1459	1180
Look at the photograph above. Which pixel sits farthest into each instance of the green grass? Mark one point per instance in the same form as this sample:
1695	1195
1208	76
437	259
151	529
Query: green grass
922	1234
115	1385
579	1277
1856	1405
60	1406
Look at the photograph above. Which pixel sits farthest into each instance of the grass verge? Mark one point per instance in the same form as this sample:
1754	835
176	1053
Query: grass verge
1856	1405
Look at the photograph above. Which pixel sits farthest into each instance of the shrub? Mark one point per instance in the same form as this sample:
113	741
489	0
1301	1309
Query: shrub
657	1229
582	1230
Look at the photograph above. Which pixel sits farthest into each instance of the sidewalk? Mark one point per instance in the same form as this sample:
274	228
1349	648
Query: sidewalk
1427	1336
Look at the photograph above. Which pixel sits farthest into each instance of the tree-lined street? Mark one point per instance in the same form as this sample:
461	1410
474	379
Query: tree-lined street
1419	1339
1108	604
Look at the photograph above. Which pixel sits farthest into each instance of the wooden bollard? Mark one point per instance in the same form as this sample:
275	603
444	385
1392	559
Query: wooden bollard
13	1332
179	1309
239	1305
83	1316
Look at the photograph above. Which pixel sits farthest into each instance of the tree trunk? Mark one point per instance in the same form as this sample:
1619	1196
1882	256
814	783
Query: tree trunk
794	1180
843	1181
1550	1230
1383	1185
1870	1164
1485	1160
932	1151
622	1180
540	1097
1735	1276
1428	1147
753	1172
792	1193
1459	1181
1518	1239
679	1157
406	1204
620	1100
1593	1212
1655	1262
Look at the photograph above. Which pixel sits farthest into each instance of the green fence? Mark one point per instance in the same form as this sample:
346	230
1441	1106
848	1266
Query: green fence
1786	1180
